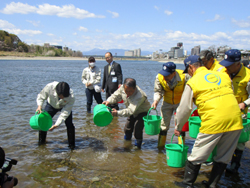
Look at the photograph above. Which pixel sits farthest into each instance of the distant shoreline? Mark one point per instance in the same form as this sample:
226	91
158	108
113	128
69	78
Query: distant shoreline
177	61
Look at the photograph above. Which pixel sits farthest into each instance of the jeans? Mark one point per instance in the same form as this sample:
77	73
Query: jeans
90	93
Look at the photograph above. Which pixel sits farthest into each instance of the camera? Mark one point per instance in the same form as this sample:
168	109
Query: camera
6	164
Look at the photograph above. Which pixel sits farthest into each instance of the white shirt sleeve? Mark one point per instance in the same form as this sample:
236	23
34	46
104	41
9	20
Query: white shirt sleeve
248	90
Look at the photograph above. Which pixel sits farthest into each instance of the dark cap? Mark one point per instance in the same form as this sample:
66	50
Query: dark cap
167	69
190	60
231	56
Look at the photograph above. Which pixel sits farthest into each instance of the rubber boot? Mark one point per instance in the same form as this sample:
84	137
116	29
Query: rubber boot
88	108
215	175
138	143
128	136
42	137
190	175
183	135
162	140
235	163
71	137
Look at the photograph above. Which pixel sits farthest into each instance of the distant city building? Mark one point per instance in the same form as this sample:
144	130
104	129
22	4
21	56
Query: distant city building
139	52
222	49
185	52
46	45
65	49
176	52
129	53
179	44
58	47
136	53
196	50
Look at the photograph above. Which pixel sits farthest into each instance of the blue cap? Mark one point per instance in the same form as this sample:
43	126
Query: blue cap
167	68
190	60
231	56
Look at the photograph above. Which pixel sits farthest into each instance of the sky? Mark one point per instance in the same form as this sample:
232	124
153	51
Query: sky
131	24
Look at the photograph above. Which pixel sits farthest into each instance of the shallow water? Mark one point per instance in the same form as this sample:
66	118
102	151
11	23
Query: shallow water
101	158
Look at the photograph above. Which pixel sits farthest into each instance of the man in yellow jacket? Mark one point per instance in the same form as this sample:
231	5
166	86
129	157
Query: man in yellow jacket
212	93
207	58
169	84
240	76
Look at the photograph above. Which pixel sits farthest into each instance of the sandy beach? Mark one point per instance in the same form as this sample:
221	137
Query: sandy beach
40	58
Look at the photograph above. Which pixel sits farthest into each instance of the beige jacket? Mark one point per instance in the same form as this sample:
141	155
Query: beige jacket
136	103
49	93
92	76
158	89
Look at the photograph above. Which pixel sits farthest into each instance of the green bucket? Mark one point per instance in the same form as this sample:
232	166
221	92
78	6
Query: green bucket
194	126
101	115
152	123
176	154
41	122
244	136
248	115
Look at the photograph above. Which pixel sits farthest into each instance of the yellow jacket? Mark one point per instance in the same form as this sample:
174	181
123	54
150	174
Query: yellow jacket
240	83
218	67
173	96
215	101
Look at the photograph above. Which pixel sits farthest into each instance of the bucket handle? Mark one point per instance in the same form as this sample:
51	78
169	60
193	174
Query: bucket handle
41	112
106	107
193	111
150	110
179	144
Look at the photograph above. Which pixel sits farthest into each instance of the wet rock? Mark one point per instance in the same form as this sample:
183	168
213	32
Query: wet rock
95	179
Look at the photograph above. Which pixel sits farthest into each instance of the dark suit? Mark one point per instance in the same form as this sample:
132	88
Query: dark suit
111	80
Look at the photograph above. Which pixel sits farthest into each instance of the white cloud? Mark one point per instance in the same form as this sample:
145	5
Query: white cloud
9	27
75	33
6	25
24	32
83	29
99	31
66	11
50	34
156	7
168	12
242	33
216	17
242	23
114	14
34	23
20	8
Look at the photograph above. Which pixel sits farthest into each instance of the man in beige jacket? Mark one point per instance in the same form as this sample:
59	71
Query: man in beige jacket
137	107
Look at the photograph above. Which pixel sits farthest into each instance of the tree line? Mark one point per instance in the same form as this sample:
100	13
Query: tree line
11	42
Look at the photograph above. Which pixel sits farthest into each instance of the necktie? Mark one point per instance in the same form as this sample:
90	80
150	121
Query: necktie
109	68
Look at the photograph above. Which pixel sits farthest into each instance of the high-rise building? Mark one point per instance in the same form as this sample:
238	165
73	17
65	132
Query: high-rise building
179	44
196	50
136	53
129	53
176	52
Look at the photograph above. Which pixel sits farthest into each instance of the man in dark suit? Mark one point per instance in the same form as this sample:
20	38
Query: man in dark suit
112	78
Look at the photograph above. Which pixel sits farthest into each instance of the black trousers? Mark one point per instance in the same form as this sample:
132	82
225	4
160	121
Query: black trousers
69	124
136	125
90	93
